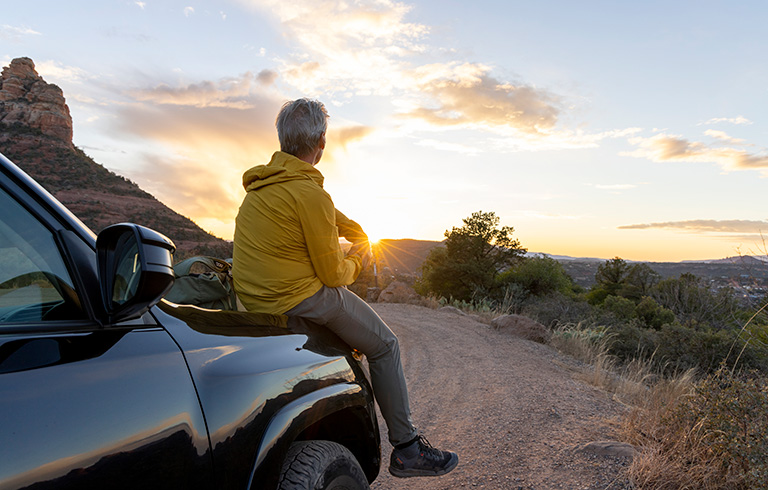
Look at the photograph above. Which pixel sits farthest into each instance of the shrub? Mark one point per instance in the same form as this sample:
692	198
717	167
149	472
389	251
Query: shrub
620	308
539	276
695	304
584	343
556	309
652	314
717	438
630	341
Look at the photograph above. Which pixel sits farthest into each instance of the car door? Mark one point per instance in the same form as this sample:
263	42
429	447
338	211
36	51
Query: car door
84	405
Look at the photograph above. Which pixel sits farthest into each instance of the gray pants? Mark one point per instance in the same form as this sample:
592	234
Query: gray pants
349	317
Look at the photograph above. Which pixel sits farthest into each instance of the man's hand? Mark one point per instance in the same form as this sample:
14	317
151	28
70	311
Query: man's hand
363	250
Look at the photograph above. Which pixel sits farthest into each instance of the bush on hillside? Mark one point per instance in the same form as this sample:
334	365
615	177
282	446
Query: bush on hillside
556	309
622	309
676	348
695	304
652	314
717	438
539	276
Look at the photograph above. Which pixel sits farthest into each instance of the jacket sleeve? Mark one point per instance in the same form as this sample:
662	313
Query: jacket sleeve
349	229
318	221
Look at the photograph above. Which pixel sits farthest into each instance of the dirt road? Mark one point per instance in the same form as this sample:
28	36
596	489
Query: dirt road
509	407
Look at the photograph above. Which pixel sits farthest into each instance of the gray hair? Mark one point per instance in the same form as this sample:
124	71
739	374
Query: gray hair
300	126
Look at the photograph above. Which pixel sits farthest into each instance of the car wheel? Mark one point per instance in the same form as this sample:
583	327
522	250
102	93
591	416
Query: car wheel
321	465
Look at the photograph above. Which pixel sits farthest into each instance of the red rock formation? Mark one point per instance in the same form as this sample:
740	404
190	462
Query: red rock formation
28	100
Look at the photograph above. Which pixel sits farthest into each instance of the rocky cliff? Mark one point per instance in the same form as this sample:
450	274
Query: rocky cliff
36	134
28	100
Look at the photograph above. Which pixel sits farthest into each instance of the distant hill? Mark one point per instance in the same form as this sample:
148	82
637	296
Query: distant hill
726	271
403	256
36	134
406	256
747	260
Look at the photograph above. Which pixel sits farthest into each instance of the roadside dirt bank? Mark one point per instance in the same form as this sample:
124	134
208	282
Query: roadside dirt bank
509	407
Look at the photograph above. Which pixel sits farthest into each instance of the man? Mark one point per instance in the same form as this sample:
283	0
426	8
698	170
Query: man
287	260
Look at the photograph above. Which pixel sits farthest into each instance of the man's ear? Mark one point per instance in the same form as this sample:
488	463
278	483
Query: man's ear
322	141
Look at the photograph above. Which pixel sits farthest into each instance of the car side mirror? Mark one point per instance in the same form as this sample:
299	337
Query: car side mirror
135	269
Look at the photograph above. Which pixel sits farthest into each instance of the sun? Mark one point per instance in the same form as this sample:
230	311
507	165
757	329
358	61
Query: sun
376	230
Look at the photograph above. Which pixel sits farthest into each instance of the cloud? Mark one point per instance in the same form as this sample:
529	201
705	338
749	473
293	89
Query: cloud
227	92
665	147
723	136
731	120
344	47
466	95
53	71
706	226
141	4
188	11
368	47
15	33
326	25
341	137
267	77
199	150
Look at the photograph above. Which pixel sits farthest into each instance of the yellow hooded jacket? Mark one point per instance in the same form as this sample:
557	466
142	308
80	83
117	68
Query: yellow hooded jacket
287	237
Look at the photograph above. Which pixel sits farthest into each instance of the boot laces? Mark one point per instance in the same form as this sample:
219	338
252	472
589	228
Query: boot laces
429	451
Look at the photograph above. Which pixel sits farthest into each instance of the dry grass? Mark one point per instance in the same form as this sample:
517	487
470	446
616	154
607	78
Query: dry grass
667	446
713	438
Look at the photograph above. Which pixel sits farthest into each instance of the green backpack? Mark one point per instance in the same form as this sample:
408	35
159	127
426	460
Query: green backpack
205	282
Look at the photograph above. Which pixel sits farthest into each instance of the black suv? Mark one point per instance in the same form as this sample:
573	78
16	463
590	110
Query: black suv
105	385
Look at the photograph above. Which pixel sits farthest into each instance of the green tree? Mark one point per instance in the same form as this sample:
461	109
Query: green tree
610	278
611	275
539	276
652	314
639	281
695	304
472	259
618	278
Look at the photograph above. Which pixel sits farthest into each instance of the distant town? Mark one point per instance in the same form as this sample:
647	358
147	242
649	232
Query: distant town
747	275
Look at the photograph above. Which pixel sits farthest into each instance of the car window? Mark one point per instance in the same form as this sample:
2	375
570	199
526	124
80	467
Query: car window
34	283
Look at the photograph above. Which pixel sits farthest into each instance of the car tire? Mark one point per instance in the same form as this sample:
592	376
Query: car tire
321	465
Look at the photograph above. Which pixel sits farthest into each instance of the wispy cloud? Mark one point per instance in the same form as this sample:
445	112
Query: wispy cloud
340	137
15	33
368	47
723	136
346	47
228	92
53	71
666	147
188	11
207	147
706	226
141	4
731	120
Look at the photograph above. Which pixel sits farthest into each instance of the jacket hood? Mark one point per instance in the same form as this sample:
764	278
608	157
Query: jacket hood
283	167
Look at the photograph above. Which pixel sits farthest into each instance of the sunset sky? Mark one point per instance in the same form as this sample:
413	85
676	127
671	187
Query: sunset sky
594	128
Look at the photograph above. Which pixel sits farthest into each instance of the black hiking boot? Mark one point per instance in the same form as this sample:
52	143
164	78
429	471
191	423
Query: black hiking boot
421	459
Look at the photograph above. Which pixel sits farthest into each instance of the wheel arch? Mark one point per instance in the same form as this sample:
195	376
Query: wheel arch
340	413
